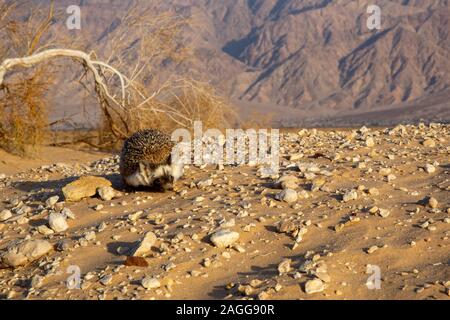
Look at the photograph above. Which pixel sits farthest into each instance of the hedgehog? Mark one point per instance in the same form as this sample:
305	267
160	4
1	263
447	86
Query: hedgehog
146	161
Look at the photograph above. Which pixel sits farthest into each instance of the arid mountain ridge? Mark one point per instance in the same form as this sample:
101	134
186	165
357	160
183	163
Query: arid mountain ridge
312	61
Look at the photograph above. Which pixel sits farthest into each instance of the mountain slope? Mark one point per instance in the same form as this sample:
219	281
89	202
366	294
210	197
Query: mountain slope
314	56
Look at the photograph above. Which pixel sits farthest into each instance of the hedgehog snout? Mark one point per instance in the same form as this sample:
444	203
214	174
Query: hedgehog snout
164	183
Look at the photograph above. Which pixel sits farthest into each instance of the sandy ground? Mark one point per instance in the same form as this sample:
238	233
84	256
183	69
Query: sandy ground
413	257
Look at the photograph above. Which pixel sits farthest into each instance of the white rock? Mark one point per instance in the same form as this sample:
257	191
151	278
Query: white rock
264	173
384	213
199	199
57	222
295	156
314	286
429	168
288	195
150	283
350	195
370	142
5	215
288	182
433	203
106	193
430	143
204	183
364	129
68	213
90	235
43	229
19	254
284	266
51	201
224	238
145	245
372	249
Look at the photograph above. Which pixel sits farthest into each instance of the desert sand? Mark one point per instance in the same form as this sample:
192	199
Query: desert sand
364	197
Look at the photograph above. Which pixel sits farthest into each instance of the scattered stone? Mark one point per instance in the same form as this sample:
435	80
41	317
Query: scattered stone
370	142
288	182
20	254
267	172
430	143
432	202
43	229
63	245
224	238
50	202
317	184
145	245
135	216
150	283
106	279
84	187
241	249
263	295
284	266
36	281
384	213
90	235
5	215
199	199
350	195
204	183
68	213
372	249
429	168
57	222
286	226
106	193
287	195
295	156
325	277
314	286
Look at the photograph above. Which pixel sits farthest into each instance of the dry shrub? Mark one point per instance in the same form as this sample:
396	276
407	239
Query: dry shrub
23	114
23	107
184	102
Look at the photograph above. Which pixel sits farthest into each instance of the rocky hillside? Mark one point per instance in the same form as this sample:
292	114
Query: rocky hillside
310	59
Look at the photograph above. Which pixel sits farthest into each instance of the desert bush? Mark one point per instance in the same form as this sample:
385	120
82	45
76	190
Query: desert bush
23	114
23	105
185	102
